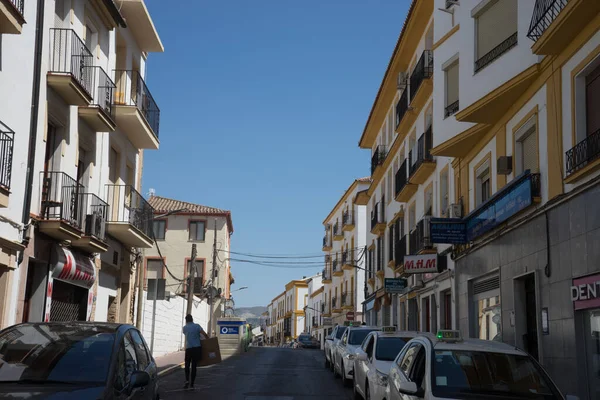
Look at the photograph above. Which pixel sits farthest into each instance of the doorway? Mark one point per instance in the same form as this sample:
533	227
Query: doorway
526	320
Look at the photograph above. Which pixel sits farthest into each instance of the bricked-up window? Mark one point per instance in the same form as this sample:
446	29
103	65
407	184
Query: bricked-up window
198	274
197	230
160	229
154	269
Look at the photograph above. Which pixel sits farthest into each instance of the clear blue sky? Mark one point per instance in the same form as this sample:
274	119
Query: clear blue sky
262	106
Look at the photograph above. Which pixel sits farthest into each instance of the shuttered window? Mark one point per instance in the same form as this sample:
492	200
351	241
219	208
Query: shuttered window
451	84
529	151
496	23
592	100
483	184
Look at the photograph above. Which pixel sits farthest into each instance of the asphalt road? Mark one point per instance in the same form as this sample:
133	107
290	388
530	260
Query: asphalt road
264	373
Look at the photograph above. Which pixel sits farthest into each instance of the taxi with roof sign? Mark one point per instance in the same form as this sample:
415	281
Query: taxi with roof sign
446	366
374	358
345	351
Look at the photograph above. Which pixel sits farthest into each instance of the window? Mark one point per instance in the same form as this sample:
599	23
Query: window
428	194
444	196
160	229
412	217
154	269
140	349
487	309
407	359
127	363
495	30
451	73
197	230
390	182
526	147
483	183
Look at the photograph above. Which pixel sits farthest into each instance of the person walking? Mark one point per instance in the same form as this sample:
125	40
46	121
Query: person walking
193	349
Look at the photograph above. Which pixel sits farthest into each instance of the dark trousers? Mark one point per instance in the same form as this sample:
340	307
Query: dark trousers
192	356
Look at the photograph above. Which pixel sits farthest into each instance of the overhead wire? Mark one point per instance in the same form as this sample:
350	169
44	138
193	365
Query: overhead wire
284	256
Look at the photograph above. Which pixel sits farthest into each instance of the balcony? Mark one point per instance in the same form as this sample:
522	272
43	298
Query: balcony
421	85
347	221
60	206
347	300
327	243
7	142
130	217
555	23
584	158
70	73
451	109
401	108
378	224
348	260
337	268
140	24
136	110
496	52
325	310
418	240
423	166
400	250
378	158
11	16
336	306
404	190
338	233
100	114
326	275
94	211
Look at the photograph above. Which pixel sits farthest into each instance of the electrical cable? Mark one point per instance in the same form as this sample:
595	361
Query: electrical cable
283	256
163	260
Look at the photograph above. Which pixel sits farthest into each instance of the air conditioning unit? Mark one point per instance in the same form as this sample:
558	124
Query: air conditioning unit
402	80
504	165
455	210
94	225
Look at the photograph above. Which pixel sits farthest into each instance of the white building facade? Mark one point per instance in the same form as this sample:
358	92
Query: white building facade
314	324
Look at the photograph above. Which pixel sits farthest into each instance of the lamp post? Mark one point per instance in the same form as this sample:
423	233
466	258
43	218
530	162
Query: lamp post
237	290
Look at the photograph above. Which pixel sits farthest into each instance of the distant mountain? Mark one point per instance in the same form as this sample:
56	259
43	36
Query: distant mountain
252	314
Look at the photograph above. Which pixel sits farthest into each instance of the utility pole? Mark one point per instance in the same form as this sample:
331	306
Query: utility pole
191	286
212	279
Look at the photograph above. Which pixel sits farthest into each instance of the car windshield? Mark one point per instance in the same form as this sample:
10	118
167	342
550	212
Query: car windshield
476	372
357	337
51	353
389	347
340	332
304	338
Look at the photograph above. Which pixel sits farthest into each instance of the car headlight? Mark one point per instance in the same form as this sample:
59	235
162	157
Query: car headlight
381	378
350	356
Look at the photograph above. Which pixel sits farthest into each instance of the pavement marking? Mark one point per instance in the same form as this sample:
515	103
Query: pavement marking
167	370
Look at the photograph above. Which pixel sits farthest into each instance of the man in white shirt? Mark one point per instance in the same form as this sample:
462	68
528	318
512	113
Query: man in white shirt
193	349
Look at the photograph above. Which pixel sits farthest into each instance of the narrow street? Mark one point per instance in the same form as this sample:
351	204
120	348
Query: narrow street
262	373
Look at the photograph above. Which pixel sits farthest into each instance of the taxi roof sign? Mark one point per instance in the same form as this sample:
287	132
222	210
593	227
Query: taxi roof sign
388	329
449	336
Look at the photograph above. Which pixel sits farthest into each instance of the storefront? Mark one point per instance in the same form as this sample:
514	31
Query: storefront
369	307
68	295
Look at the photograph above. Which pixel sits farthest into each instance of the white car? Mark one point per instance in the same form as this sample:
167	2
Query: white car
331	342
374	359
447	367
345	351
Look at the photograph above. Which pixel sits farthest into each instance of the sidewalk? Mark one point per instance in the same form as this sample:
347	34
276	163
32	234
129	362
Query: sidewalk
169	362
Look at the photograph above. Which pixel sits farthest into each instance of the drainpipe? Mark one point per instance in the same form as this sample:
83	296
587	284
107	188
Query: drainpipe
33	124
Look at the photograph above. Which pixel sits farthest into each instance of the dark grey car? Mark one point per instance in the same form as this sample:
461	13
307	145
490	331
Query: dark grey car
76	360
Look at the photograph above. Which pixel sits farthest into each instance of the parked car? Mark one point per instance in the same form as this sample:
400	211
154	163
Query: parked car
76	360
331	342
345	351
306	341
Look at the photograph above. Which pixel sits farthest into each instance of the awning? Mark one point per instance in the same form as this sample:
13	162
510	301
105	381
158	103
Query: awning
73	267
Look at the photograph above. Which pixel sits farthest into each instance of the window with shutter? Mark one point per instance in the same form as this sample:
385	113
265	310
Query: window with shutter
529	152
592	100
452	84
495	24
483	189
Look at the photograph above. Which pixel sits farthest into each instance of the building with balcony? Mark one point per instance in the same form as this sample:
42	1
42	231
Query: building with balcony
314	315
344	259
518	81
184	225
77	219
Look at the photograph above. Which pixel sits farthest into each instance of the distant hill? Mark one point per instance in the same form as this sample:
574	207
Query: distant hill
252	314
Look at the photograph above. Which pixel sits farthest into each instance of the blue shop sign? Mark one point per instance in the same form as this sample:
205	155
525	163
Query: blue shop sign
448	230
395	285
229	330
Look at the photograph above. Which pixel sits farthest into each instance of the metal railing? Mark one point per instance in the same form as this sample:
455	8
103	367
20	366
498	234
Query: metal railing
94	212
536	185
7	142
347	299
19	5
323	307
496	52
347	218
400	250
423	152
419	238
401	107
131	90
423	70
378	157
544	13
391	244
326	274
334	265
377	214
69	55
451	109
127	205
326	242
334	302
102	91
401	178
61	197
584	152
337	229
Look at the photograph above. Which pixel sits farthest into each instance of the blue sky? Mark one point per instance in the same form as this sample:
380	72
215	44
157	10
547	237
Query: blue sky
262	106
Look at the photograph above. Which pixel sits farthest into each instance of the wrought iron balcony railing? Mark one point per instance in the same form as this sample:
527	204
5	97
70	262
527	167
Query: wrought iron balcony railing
7	142
423	150
400	250
132	91
127	205
334	303
423	70
419	237
94	212
345	257
19	5
326	274
335	265
401	178
347	218
378	157
451	109
496	52
401	107
583	153
323	307
378	214
391	244
61	198
544	13
69	55
337	229
347	299
326	241
102	91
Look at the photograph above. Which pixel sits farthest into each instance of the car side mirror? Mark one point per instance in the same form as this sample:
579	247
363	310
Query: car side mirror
572	397
361	356
139	379
410	388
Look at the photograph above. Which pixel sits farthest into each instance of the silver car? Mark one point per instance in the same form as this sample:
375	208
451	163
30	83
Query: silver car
345	351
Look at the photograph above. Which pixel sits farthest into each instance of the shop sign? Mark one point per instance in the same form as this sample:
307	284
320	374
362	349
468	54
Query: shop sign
229	330
585	292
395	285
327	321
74	268
370	304
448	230
423	263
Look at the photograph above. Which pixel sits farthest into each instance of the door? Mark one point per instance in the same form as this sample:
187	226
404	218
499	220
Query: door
69	302
531	340
592	351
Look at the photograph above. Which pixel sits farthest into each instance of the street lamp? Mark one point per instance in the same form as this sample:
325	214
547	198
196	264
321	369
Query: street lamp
237	290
